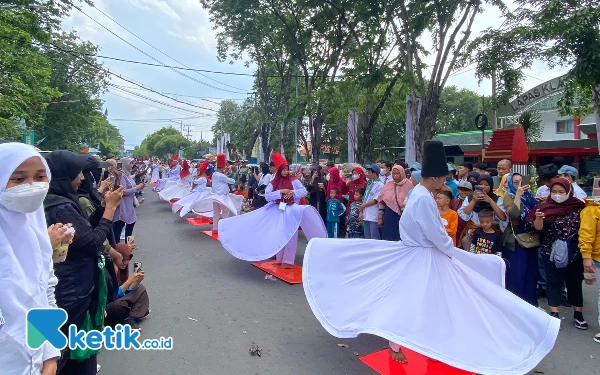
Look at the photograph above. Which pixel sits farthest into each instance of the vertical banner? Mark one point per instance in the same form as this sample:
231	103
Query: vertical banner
219	148
410	150
352	135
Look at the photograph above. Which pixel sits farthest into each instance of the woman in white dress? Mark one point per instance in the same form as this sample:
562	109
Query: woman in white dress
275	226
172	176
180	188
199	191
426	295
155	171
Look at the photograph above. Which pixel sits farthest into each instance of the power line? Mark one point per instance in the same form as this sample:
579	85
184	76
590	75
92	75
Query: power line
161	108
155	119
186	96
136	94
148	55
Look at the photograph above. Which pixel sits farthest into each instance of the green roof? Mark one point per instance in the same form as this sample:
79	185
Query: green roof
463	138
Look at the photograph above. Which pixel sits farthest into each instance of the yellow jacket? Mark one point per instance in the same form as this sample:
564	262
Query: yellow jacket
589	231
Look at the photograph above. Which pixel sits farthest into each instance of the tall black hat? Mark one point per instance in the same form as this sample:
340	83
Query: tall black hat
434	160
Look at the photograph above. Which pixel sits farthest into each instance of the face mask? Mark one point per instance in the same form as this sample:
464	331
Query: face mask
559	198
355	177
24	198
383	172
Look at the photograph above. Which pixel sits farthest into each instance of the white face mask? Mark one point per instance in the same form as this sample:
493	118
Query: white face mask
383	172
355	177
559	198
24	198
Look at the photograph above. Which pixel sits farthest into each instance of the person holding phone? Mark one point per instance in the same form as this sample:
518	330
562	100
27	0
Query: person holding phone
482	199
522	268
125	215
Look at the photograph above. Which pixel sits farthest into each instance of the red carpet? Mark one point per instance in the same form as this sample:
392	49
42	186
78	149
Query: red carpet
291	276
200	220
209	233
417	364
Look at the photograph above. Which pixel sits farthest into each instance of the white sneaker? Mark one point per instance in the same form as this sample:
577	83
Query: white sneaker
98	367
597	338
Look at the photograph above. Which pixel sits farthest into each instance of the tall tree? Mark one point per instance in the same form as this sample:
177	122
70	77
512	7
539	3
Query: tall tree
458	109
448	24
163	143
561	33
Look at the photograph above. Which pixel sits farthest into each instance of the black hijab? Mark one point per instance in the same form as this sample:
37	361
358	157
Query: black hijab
86	189
482	205
64	166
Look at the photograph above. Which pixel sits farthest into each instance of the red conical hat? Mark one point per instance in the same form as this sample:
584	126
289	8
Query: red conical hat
221	162
278	160
175	157
203	166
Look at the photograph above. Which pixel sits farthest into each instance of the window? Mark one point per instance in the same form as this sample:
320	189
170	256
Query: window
564	126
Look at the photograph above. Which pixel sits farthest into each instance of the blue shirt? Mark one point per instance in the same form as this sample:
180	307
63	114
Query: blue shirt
452	184
335	209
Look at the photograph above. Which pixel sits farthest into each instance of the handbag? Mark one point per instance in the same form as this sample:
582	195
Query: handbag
564	251
526	240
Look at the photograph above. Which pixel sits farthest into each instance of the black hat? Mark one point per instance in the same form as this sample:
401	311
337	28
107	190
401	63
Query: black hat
434	160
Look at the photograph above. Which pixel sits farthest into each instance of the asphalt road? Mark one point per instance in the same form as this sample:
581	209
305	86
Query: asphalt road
214	306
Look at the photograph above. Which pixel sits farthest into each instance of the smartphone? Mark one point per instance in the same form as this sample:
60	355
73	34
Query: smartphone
137	267
526	180
112	180
478	188
130	239
119	165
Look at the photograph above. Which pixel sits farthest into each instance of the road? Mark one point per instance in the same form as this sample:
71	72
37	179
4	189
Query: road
214	306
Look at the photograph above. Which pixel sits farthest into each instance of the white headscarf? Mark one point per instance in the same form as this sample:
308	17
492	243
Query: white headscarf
25	255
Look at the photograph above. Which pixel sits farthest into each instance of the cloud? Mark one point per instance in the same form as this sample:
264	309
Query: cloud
159	5
201	36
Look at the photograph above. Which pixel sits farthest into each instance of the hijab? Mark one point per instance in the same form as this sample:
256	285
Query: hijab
481	204
125	162
417	176
335	181
86	189
280	182
125	251
185	171
394	193
65	166
113	165
25	252
500	190
361	176
474	174
528	201
552	209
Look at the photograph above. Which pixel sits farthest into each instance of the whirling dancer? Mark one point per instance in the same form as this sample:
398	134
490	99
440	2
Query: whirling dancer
273	228
155	171
199	191
220	201
180	188
424	294
172	174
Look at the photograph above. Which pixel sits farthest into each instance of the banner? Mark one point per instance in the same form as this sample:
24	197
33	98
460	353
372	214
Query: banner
352	135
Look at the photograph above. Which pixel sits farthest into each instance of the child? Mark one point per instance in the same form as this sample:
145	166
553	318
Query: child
335	209
355	229
241	192
449	216
485	239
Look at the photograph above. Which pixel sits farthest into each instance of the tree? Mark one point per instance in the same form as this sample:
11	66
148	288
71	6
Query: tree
563	33
25	72
240	121
449	23
531	121
196	149
458	109
164	143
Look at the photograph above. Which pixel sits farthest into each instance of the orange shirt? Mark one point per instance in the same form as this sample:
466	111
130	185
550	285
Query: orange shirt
450	220
243	193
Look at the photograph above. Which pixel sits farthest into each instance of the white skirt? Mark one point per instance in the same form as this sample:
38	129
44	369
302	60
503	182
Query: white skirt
231	201
175	190
260	234
453	310
186	203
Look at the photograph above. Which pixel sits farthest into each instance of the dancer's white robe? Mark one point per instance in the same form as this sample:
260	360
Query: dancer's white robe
178	190
426	295
228	204
260	234
186	203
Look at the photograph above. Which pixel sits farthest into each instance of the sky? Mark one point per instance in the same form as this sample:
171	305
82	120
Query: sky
181	30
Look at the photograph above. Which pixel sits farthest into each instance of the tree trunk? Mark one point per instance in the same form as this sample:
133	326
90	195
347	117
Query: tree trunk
596	96
425	129
266	140
317	135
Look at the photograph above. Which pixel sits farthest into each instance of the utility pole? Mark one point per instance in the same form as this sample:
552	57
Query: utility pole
296	128
494	116
188	135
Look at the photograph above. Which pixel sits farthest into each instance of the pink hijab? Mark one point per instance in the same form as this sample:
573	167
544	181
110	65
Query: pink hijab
394	193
